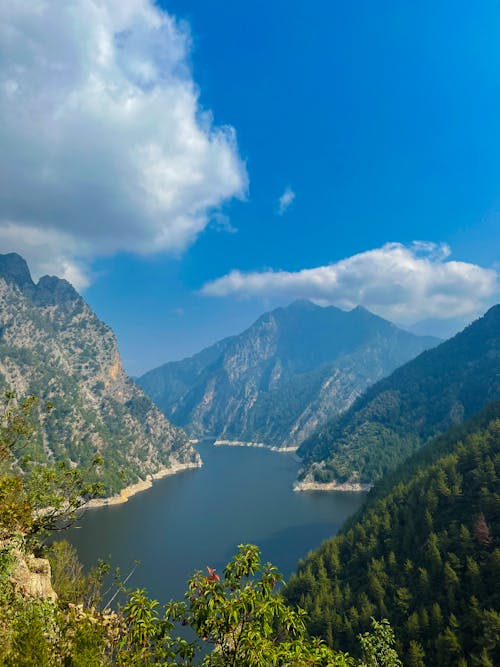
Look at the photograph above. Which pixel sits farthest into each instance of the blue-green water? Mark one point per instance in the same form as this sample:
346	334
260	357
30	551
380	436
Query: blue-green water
198	517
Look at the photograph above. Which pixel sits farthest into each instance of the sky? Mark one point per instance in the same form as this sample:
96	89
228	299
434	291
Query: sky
188	165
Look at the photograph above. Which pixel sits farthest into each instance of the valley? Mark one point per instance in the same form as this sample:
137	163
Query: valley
249	333
198	517
321	422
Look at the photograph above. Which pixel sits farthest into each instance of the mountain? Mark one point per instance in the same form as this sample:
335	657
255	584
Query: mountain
424	552
53	346
398	414
289	372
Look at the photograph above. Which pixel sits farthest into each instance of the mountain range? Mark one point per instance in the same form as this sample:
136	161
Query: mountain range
53	346
284	376
393	418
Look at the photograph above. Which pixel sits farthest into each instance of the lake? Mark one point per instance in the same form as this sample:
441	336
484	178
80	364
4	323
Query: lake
198	517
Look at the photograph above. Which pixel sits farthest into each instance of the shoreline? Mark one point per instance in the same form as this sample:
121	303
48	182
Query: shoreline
331	486
142	485
259	445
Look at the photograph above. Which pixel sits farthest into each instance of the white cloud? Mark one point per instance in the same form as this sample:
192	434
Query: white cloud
221	223
104	145
286	200
402	283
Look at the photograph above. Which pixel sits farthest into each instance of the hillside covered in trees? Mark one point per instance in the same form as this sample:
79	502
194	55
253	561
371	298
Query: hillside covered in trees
424	552
440	388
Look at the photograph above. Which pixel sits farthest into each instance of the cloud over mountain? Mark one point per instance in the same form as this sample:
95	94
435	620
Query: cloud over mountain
402	283
105	147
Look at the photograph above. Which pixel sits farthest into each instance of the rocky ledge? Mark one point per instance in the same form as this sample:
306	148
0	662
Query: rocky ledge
142	485
331	486
261	445
32	576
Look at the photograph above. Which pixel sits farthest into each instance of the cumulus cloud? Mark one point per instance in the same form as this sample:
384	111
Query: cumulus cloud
402	283
286	200
105	147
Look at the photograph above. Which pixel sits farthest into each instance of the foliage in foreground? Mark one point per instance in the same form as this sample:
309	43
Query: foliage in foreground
239	615
35	498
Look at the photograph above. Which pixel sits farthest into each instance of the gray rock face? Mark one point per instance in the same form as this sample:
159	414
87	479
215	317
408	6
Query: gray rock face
32	577
52	345
290	372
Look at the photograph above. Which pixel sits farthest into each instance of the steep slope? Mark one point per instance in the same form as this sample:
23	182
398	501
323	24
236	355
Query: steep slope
52	345
289	372
424	552
423	398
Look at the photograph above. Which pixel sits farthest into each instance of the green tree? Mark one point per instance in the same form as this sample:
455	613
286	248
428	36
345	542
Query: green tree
378	646
69	581
416	655
145	637
248	623
36	499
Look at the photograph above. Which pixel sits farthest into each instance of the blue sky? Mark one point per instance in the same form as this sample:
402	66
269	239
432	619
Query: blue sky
357	128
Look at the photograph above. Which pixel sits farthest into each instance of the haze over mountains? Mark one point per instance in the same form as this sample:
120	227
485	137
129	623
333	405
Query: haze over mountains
282	378
393	418
53	346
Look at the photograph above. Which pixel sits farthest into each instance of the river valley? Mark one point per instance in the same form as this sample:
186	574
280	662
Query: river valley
198	517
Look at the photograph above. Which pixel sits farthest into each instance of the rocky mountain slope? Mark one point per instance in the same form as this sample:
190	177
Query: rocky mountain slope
52	345
287	374
396	416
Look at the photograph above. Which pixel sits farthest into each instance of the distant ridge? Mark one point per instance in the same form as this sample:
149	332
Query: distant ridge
52	345
393	418
285	375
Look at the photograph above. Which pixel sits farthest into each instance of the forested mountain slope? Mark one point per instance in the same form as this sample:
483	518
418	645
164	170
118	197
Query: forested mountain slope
293	369
424	552
52	345
397	415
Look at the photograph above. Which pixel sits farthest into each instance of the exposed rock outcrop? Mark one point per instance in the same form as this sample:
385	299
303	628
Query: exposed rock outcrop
31	576
283	377
53	345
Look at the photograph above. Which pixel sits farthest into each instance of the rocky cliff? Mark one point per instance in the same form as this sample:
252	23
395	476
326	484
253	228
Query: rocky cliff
282	378
31	576
52	345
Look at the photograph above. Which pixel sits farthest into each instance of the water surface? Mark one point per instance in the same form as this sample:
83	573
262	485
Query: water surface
198	518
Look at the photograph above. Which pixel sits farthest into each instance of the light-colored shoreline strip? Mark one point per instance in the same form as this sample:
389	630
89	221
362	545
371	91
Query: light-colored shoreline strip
142	485
260	445
331	486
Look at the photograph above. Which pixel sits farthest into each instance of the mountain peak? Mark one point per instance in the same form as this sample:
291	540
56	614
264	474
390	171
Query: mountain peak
53	290
360	309
284	376
494	311
14	269
302	304
56	348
